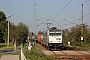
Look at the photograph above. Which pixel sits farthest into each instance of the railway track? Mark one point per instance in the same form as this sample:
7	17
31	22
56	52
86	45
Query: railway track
70	55
66	54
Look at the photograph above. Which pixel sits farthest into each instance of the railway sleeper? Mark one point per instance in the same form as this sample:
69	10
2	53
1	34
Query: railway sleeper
63	58
69	58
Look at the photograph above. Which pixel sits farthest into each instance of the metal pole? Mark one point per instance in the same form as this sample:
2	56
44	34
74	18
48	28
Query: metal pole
8	33
82	31
82	19
34	21
8	30
83	23
34	17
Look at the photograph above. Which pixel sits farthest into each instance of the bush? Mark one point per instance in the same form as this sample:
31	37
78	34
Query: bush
2	45
0	55
35	54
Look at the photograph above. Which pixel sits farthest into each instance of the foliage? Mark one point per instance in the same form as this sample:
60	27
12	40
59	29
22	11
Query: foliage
1	32
88	37
3	25
2	16
36	54
74	34
0	55
21	32
2	45
29	33
40	32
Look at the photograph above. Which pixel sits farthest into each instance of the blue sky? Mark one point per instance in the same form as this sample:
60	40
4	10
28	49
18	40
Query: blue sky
54	10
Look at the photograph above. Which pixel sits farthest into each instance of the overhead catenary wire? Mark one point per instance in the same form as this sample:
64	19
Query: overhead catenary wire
70	21
83	16
76	9
61	10
73	12
86	14
53	15
42	22
76	19
86	1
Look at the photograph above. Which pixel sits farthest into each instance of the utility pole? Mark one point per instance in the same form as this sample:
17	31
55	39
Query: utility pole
8	32
82	26
33	37
34	17
8	29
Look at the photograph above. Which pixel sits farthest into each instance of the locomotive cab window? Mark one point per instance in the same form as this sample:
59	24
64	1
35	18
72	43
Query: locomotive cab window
51	34
58	34
55	34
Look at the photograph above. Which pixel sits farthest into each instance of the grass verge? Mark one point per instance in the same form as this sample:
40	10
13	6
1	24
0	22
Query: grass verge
0	55
36	54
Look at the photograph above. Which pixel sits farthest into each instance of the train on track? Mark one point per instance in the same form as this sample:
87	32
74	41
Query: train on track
51	38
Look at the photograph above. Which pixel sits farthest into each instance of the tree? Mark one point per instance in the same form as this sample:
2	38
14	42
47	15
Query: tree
40	32
21	32
12	31
1	33
88	37
2	26
2	16
74	34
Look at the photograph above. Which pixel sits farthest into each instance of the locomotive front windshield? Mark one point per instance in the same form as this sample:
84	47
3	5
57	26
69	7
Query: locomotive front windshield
54	34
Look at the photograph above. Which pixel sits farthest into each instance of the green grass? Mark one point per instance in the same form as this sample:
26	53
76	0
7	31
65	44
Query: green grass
83	47
35	54
79	46
3	46
0	55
